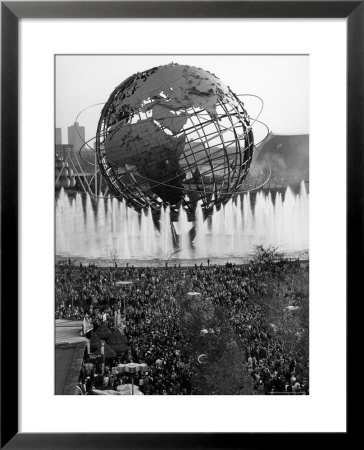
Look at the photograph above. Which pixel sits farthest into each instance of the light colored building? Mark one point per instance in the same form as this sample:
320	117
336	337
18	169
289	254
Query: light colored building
58	136
76	136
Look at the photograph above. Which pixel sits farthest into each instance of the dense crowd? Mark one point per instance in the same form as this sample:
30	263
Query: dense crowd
151	307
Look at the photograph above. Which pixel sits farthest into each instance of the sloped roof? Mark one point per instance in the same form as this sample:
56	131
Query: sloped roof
118	342
69	331
286	157
103	332
109	352
69	358
95	344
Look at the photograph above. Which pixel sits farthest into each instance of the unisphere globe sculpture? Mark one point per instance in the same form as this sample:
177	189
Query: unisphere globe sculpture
173	136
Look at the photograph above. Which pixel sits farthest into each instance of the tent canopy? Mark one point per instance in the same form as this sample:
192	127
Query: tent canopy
95	344
109	352
103	332
118	342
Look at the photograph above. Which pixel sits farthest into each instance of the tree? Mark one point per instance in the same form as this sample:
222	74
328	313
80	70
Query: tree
286	301
225	374
266	255
208	331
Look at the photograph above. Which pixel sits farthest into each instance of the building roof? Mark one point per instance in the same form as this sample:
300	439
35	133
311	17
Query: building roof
284	157
103	332
69	331
118	342
69	358
69	353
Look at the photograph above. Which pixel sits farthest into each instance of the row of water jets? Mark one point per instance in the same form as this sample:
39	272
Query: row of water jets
110	229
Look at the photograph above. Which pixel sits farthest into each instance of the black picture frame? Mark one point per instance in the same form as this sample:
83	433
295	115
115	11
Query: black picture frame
11	12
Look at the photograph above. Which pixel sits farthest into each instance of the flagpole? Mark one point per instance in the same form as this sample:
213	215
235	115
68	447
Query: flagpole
103	357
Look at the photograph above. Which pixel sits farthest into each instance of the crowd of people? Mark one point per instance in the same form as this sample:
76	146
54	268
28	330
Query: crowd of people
151	307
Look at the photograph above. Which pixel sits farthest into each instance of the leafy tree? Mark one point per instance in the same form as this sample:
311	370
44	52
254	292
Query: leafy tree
209	332
266	255
286	301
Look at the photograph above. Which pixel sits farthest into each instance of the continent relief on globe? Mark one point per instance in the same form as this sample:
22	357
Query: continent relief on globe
175	86
154	153
155	144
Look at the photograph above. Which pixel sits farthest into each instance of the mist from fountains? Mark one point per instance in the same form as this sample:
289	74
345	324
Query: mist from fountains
109	229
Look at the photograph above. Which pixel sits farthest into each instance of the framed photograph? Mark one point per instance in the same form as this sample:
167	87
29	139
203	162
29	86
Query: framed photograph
172	220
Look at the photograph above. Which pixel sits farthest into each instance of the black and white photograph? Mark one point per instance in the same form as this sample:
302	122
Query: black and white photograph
181	224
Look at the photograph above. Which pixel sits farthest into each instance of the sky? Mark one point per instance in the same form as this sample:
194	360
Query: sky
282	81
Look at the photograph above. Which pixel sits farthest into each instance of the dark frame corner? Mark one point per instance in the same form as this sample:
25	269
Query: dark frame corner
11	12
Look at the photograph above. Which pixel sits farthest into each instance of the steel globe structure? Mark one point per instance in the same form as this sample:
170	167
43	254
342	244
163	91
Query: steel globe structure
174	135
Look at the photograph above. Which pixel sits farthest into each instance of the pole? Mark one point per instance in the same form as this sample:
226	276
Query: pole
132	384
95	175
103	357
